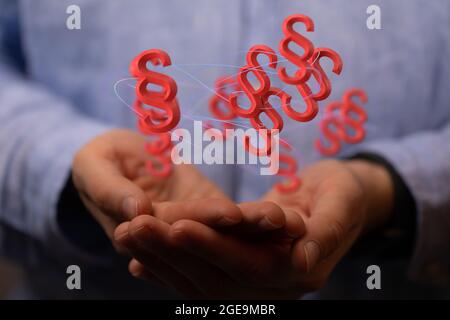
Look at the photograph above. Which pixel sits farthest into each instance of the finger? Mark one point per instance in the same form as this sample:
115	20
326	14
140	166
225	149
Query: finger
120	232
263	215
212	212
154	236
157	270
100	180
331	227
217	286
265	220
295	226
241	260
154	264
138	270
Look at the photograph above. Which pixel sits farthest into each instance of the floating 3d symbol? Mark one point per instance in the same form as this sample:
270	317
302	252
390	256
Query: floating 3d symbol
158	111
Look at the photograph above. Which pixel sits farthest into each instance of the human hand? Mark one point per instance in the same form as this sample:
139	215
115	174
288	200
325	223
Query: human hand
109	174
154	242
338	201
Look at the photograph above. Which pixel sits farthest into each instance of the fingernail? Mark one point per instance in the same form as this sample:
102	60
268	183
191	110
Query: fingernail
141	234
294	234
120	236
227	221
268	224
312	253
129	207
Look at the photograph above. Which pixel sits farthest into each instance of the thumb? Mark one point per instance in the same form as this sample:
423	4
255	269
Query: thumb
102	183
331	229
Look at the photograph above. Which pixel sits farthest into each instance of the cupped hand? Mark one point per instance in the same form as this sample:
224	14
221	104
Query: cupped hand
110	176
337	201
162	252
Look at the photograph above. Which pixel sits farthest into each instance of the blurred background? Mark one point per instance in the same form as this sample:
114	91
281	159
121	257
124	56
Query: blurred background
10	275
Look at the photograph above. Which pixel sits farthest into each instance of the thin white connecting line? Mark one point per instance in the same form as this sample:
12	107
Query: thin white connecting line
123	101
225	65
142	116
212	90
204	85
196	148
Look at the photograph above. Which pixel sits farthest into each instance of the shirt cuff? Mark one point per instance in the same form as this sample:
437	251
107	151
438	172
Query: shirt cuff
73	216
48	186
396	239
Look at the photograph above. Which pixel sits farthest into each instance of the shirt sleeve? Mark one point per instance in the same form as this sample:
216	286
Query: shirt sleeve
39	135
422	160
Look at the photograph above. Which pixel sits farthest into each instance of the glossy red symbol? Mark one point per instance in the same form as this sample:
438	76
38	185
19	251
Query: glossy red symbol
292	36
155	122
349	108
320	76
164	100
311	106
266	133
288	169
219	104
255	95
159	148
309	98
338	114
333	137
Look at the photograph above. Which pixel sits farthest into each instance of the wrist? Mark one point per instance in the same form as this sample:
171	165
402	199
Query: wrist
378	190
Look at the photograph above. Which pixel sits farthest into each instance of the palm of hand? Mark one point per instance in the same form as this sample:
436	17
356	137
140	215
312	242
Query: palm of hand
185	183
330	200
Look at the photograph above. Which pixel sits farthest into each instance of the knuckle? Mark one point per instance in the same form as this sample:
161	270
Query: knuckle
179	231
120	232
226	208
273	210
272	207
139	222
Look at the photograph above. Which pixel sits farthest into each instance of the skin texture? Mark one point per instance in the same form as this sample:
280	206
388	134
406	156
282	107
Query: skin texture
338	201
109	173
184	233
110	176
